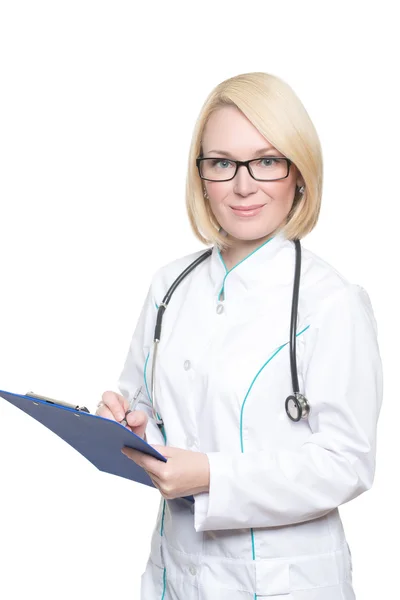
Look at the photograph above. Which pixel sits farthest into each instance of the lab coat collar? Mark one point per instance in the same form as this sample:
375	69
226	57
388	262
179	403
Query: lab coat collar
257	267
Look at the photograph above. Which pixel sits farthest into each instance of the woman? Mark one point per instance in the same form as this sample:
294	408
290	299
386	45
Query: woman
266	488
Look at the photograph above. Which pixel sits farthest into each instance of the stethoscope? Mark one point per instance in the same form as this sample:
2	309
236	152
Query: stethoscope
296	405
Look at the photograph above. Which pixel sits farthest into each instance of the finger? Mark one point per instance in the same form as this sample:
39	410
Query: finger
169	451
134	455
137	422
115	400
156	482
137	418
117	404
160	486
153	467
148	463
166	451
105	412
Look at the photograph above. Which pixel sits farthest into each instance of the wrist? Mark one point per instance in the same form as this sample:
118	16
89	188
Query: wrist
205	474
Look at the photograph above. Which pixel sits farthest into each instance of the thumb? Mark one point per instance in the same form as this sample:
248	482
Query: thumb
166	451
137	421
136	418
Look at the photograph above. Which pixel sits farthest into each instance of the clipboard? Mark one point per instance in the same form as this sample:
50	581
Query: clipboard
98	439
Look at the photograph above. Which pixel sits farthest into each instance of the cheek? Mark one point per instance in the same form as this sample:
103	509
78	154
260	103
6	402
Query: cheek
219	191
279	192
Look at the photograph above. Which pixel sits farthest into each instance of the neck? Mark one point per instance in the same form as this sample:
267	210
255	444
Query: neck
241	249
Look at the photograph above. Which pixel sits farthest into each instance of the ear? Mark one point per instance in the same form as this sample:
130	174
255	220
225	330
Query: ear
299	179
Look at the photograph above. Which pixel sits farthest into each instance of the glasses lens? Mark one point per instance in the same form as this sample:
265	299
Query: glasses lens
264	169
217	169
269	168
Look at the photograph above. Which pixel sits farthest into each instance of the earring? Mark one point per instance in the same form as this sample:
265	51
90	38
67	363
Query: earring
301	189
205	193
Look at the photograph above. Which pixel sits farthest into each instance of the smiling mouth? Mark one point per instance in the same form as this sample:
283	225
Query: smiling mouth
247	208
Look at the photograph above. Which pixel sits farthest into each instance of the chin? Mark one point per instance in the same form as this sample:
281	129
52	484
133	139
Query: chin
248	233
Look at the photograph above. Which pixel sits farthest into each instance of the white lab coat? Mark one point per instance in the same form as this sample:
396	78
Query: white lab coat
269	527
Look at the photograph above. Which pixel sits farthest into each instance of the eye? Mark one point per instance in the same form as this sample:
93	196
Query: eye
268	161
218	161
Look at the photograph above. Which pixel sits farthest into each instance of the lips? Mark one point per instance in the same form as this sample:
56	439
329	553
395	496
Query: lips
252	207
247	212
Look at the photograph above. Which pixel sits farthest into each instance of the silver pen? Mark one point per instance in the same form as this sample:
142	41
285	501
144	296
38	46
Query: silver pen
132	406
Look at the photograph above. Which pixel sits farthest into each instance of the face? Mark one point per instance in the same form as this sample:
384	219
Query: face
229	134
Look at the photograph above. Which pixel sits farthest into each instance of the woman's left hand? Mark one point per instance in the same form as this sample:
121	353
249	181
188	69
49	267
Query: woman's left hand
185	473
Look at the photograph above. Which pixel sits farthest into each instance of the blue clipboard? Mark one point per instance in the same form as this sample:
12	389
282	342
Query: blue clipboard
98	439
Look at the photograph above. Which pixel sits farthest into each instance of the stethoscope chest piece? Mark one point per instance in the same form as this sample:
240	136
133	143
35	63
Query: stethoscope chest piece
297	407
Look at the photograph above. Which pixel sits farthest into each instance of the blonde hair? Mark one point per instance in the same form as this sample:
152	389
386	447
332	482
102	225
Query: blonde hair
273	108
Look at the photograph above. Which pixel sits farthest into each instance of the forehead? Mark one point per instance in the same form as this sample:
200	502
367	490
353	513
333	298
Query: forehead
229	129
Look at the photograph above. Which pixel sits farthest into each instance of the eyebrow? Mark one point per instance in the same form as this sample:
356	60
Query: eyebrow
256	153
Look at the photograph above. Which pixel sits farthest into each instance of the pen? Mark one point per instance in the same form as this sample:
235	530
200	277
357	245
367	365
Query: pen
56	402
132	405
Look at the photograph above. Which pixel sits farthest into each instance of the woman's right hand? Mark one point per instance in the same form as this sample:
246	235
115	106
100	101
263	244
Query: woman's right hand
114	406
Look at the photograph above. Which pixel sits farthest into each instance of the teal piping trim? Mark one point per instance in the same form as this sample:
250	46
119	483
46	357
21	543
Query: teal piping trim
252	383
165	440
241	424
148	393
245	258
223	262
156	305
162	533
252	547
145	376
163	594
162	519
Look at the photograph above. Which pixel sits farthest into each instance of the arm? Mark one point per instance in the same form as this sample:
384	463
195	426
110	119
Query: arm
343	384
132	375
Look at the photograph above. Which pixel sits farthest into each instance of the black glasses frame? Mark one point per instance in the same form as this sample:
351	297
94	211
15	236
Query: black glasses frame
239	163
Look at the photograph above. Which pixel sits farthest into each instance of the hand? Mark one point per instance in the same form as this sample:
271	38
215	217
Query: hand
185	473
114	406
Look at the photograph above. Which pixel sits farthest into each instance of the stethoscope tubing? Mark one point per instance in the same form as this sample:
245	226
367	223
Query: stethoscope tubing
160	313
293	318
297	401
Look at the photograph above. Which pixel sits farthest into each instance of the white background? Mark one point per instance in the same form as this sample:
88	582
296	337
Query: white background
98	103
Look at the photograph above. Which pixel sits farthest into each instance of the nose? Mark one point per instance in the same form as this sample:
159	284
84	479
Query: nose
244	183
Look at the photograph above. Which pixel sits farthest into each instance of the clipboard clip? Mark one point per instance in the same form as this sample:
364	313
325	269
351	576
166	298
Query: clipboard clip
57	402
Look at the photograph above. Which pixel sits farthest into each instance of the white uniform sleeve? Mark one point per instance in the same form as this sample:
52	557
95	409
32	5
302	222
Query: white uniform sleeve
343	384
132	379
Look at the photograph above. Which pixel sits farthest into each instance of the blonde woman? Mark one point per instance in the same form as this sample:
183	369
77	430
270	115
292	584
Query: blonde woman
266	474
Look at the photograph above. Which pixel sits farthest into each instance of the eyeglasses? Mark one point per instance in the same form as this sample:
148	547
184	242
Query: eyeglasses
266	168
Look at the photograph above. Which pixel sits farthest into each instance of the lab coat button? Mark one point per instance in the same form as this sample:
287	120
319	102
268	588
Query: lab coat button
186	365
220	309
192	570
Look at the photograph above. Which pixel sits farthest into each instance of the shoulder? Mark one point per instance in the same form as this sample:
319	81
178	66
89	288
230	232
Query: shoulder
164	277
326	291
